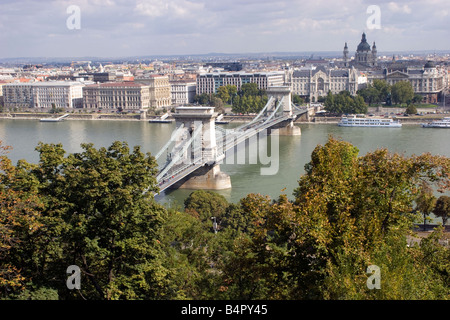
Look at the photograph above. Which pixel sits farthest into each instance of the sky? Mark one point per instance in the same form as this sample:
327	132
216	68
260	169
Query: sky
122	28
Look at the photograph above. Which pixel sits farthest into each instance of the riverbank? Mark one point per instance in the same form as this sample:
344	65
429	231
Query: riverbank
72	116
413	120
406	120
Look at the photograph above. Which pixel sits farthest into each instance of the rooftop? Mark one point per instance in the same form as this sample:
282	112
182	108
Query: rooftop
116	84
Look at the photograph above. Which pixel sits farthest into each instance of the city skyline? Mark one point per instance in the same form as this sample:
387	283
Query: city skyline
118	28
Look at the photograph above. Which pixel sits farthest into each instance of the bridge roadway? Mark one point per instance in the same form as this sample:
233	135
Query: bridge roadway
233	137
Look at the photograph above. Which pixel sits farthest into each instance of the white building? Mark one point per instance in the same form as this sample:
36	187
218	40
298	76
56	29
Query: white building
430	81
66	95
182	92
43	95
315	82
116	96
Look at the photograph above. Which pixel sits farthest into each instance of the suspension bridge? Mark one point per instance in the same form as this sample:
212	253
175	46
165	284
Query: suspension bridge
191	157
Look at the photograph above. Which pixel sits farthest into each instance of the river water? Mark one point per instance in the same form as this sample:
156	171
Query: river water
294	151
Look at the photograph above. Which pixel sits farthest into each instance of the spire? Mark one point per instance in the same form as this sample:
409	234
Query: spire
345	47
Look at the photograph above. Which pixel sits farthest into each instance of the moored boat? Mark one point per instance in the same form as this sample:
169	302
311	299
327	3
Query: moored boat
444	123
354	121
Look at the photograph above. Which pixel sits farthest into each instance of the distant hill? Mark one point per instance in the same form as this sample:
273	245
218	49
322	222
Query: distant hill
205	57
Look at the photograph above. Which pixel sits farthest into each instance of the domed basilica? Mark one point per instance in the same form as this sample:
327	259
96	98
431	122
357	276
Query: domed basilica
365	56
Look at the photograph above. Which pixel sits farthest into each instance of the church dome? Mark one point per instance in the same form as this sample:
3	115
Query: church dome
363	45
429	65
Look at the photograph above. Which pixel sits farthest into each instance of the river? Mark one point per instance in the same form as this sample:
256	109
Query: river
294	151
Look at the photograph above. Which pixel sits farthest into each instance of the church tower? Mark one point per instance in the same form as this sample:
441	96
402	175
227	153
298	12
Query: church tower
346	60
374	54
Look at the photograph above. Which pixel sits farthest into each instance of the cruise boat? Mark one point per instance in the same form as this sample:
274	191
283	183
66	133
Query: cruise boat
444	123
354	121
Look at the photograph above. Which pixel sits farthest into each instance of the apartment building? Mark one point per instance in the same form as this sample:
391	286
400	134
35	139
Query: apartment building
182	92
159	87
210	82
65	95
116	96
43	95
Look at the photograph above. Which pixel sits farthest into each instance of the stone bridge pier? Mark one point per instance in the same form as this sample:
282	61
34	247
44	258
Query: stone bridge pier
286	128
209	176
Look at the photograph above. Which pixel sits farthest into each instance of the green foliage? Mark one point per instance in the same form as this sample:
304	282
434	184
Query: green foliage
376	92
411	109
217	103
417	98
425	200
19	219
296	99
223	94
185	240
355	212
249	99
442	208
206	204
402	92
343	102
203	99
95	209
98	214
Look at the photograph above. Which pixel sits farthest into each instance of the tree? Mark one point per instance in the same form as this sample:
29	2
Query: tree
202	99
417	98
187	245
19	213
249	99
411	109
383	89
249	89
402	92
375	92
343	102
206	204
99	214
369	94
296	99
442	208
425	200
223	94
217	103
232	91
353	212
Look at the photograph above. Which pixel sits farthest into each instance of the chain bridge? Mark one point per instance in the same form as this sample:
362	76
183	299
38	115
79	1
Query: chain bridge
192	156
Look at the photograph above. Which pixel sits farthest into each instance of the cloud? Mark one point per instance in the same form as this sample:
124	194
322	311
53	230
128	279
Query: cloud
395	7
138	27
172	8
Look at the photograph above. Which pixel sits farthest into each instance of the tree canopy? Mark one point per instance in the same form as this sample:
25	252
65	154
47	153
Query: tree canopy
402	92
95	209
343	102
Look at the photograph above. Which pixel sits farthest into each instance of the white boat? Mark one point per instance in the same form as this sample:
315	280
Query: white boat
444	123
220	121
162	119
354	121
54	119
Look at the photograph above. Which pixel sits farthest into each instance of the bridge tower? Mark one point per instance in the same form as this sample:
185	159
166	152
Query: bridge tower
283	94
209	176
